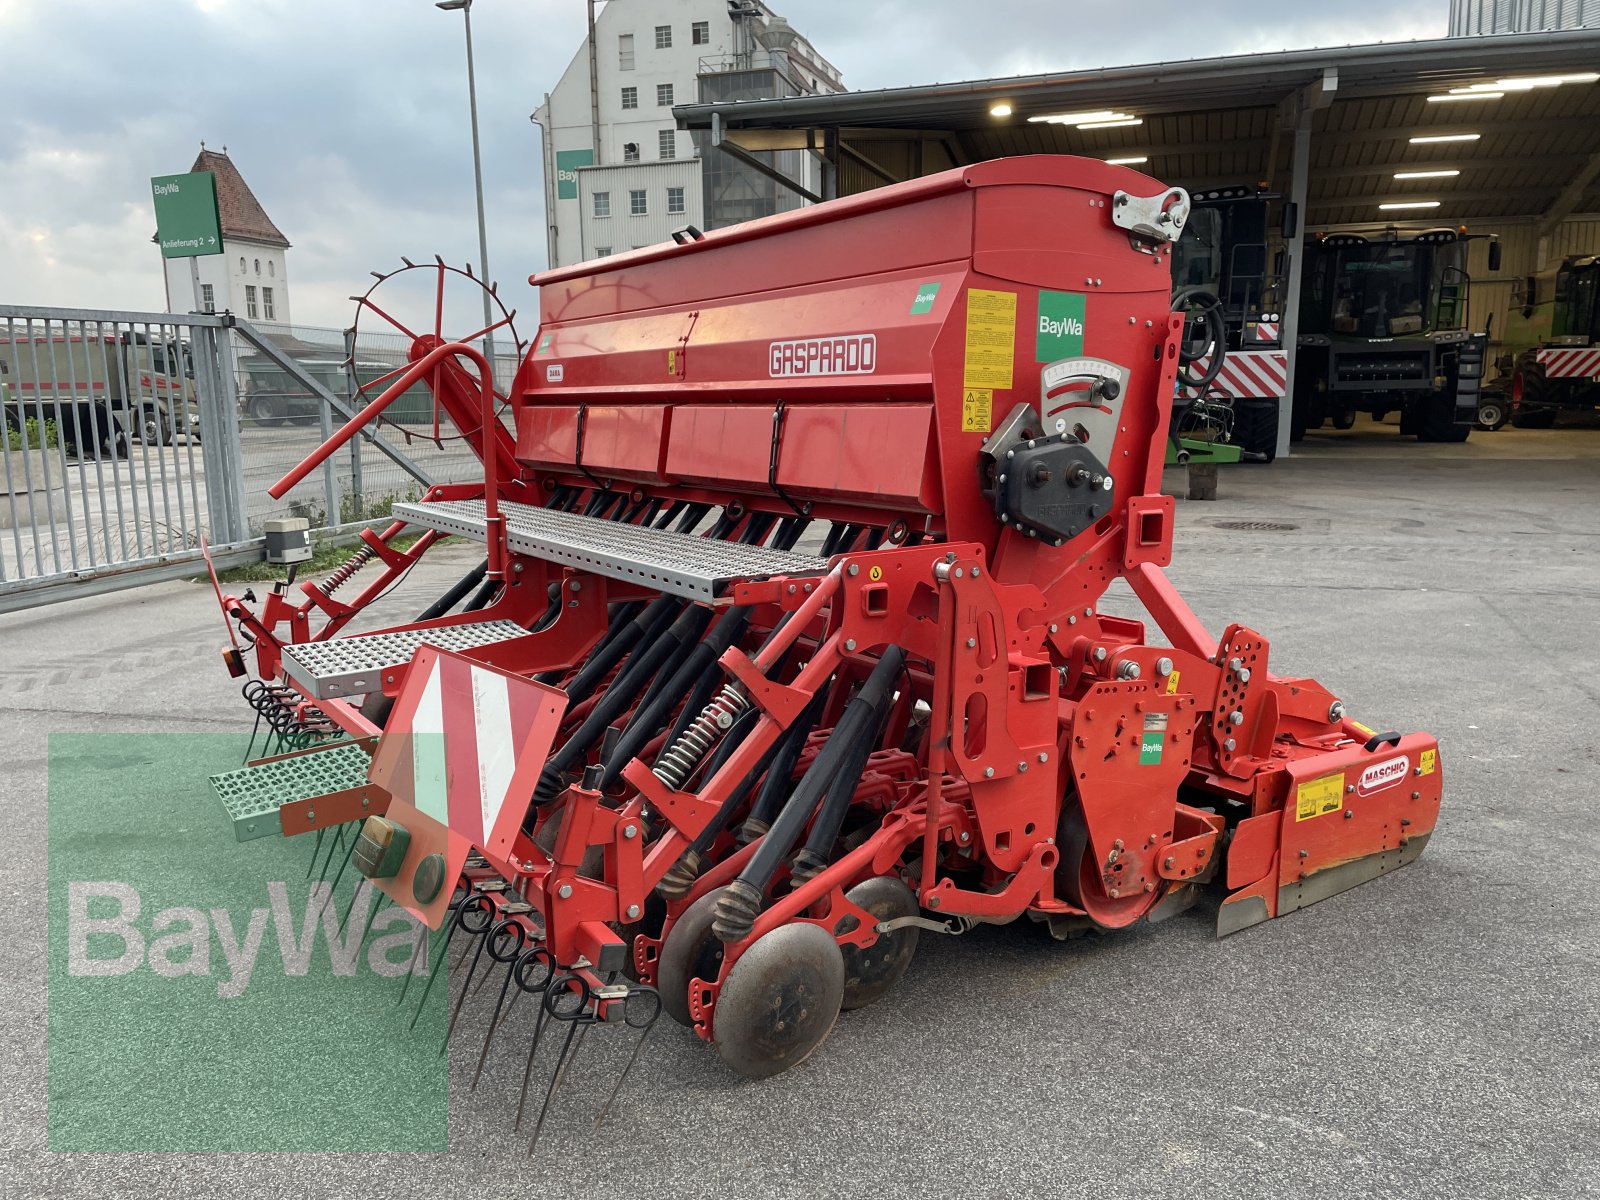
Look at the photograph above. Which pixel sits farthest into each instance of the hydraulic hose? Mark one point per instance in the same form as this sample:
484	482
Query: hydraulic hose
740	902
456	593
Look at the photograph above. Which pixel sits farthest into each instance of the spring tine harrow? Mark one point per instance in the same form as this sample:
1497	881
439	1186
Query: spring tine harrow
578	1015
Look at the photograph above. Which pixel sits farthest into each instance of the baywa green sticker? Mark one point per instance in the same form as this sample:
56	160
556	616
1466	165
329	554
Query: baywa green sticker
544	344
1150	749
1060	333
927	293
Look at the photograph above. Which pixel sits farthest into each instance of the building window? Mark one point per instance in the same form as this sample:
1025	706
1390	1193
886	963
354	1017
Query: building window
636	203
266	305
630	97
250	301
675	200
625	52
258	266
272	268
663	95
630	152
663	37
242	267
700	33
669	143
208	298
602	204
602	251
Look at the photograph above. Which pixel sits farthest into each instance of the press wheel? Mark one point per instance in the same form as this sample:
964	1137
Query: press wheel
779	1001
690	951
871	971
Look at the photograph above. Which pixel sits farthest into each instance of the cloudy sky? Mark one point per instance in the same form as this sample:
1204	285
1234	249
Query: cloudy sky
349	117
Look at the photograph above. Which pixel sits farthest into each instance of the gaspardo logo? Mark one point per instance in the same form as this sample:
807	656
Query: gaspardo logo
853	354
181	941
1381	775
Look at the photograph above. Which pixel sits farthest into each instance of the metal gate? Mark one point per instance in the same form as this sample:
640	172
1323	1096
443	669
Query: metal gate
126	444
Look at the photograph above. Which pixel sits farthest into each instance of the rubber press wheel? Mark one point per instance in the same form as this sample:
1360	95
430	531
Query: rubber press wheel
780	1000
691	951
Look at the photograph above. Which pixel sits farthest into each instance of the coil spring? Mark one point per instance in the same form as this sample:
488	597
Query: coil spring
279	707
683	756
346	569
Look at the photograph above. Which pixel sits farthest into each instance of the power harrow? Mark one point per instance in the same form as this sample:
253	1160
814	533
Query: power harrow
787	647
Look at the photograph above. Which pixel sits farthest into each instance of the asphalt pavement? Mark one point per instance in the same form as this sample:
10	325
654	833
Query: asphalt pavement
1432	1033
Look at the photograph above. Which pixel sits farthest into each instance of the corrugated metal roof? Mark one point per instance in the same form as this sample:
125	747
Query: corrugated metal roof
1212	121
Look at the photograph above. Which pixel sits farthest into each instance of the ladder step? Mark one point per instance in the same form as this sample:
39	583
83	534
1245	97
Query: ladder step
680	564
252	795
350	666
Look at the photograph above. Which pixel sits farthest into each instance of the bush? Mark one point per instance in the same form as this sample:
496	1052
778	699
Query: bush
27	438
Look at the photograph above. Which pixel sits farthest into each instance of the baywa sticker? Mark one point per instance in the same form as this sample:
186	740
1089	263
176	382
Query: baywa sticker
926	295
1061	324
1382	775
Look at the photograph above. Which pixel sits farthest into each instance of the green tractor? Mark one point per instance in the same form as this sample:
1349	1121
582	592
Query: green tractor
1383	326
1550	350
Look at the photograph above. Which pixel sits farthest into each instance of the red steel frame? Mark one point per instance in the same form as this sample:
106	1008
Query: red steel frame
669	374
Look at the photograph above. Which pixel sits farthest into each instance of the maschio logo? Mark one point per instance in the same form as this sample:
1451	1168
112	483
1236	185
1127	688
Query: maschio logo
1381	775
855	354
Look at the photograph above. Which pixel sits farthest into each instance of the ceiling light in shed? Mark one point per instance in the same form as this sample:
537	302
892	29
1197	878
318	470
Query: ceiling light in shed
1000	109
1398	204
1449	174
1119	123
1526	83
1466	94
1077	118
1129	162
1431	138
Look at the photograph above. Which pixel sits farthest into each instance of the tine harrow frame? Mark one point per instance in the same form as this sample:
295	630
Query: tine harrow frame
788	646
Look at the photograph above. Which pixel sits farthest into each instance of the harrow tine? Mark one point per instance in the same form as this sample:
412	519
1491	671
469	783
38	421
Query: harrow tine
316	850
355	894
623	1078
338	876
371	913
333	845
425	937
527	1070
515	970
490	941
640	1008
578	1016
476	901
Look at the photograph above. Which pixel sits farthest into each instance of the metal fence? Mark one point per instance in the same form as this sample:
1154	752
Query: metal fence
131	436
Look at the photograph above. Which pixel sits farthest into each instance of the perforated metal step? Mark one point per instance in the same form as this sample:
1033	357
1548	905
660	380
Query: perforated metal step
683	565
351	666
252	795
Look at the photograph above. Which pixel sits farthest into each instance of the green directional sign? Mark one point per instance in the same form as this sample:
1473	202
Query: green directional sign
567	164
187	222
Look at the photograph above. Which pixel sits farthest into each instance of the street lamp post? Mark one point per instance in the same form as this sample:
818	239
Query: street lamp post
465	6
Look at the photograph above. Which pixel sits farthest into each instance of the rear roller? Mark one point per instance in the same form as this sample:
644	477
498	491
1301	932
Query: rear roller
690	951
871	971
780	1000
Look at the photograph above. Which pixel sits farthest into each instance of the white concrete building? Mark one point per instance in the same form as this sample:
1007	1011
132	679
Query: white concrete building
618	172
250	277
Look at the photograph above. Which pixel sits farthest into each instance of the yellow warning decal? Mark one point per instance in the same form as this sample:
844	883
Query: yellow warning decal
1428	762
1172	683
991	340
977	410
672	362
875	574
1316	797
1360	728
